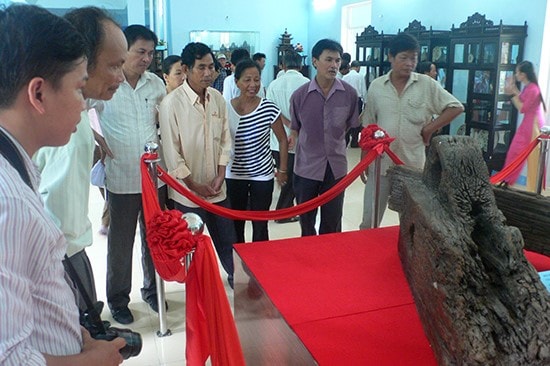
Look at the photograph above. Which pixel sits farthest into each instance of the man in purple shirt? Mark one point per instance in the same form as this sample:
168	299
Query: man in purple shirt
321	112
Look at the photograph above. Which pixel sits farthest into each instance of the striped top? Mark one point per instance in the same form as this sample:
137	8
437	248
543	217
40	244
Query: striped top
38	313
251	157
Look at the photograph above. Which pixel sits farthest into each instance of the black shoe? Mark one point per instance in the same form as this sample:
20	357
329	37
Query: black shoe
122	315
153	303
286	221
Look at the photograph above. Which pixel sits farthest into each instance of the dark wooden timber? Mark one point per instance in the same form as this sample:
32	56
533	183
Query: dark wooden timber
530	213
479	300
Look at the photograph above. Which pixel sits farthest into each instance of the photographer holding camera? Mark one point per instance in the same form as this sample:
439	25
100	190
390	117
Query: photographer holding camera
43	71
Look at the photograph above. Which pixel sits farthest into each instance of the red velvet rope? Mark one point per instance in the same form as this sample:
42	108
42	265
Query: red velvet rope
517	162
375	146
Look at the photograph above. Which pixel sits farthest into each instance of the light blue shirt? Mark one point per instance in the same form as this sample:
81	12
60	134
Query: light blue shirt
65	185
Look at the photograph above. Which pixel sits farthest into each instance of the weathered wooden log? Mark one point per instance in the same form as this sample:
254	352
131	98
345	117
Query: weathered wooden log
479	299
530	213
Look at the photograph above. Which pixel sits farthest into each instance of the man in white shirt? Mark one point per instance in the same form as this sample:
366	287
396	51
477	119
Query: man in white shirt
65	170
358	82
129	121
230	89
197	146
279	92
41	82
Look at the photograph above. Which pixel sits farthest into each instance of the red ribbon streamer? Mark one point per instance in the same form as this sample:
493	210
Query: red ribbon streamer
210	327
517	162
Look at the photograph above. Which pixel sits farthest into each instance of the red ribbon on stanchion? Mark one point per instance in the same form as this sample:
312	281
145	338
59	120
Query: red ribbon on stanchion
378	147
517	162
375	138
209	323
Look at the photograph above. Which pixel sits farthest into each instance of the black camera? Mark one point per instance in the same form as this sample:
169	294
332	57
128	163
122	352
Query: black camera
99	329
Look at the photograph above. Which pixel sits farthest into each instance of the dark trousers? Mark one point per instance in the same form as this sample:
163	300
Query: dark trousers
83	268
352	135
331	212
258	195
221	230
286	197
125	210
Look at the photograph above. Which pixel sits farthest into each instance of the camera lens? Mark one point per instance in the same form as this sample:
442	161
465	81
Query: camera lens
133	341
133	345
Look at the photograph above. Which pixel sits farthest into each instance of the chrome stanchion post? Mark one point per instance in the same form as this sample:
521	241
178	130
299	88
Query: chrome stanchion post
196	226
377	172
152	148
543	158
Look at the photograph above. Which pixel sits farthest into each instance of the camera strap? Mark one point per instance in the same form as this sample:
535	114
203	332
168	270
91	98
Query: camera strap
90	307
12	155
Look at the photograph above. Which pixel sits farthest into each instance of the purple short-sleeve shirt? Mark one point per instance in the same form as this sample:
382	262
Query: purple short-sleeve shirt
322	124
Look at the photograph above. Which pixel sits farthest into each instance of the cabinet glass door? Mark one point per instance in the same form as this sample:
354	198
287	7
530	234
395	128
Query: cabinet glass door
459	53
481	111
473	53
489	53
460	85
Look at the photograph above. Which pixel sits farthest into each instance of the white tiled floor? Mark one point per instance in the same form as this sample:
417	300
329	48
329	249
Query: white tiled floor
170	350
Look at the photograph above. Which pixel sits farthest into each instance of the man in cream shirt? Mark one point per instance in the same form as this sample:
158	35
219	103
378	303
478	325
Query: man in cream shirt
197	145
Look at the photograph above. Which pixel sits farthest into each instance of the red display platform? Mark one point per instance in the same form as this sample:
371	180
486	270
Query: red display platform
332	300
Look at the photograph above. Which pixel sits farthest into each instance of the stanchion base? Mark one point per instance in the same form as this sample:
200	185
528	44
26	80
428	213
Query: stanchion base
166	334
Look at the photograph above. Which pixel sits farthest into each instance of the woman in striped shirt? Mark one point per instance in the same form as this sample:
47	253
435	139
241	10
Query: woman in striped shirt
250	173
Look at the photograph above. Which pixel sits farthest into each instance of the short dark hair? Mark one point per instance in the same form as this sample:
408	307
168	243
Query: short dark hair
238	55
137	31
258	56
355	63
424	67
90	22
168	62
194	51
403	42
346	57
35	43
292	60
243	65
326	44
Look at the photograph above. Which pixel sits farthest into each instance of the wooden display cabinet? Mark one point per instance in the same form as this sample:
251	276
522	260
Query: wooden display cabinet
483	56
372	51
